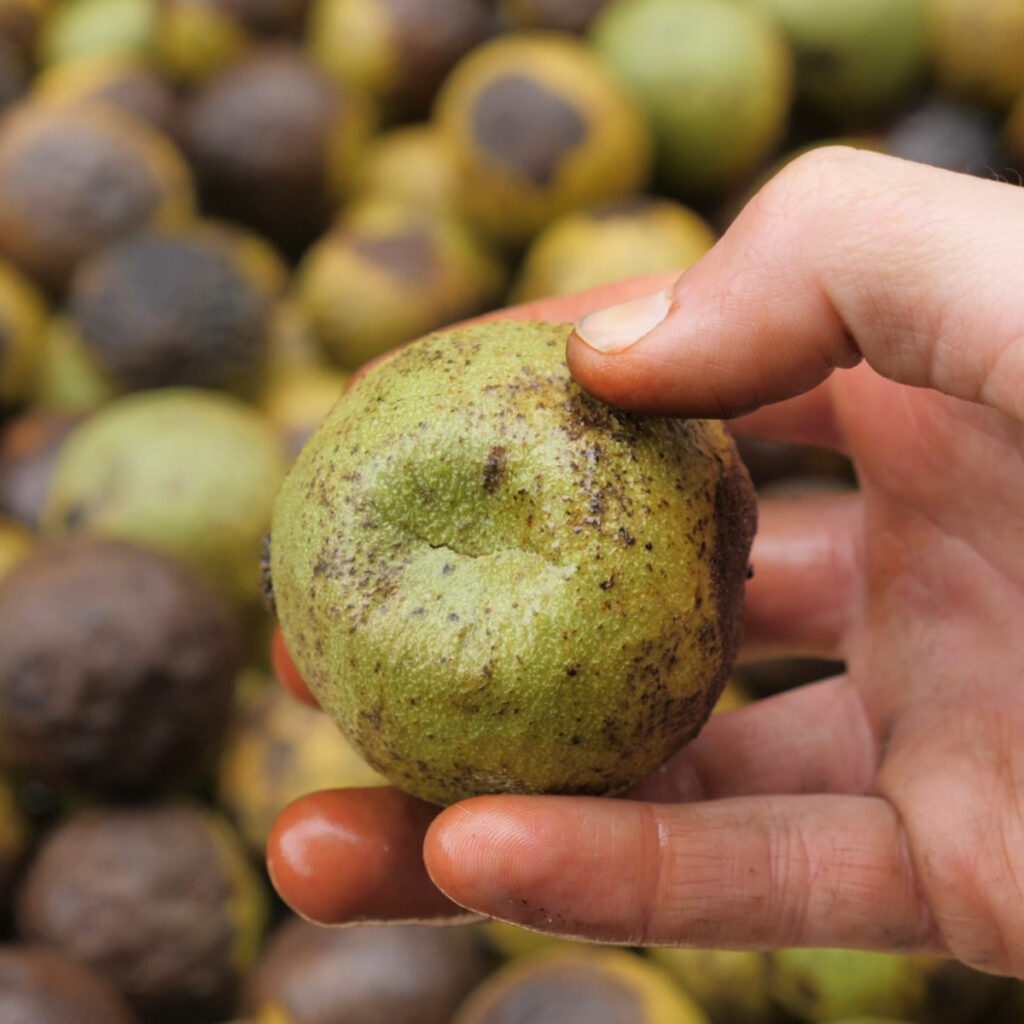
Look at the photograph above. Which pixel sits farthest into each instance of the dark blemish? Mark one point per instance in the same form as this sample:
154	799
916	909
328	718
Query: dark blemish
648	546
575	740
526	126
453	617
572	670
607	584
495	467
266	582
627	538
410	255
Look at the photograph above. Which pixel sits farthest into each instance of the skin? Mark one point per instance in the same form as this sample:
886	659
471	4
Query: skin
880	809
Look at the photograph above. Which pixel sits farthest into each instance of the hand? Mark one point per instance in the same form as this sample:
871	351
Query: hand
881	809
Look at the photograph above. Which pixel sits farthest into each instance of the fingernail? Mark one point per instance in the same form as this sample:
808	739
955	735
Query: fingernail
618	327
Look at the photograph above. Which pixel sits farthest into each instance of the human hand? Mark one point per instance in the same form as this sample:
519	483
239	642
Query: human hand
881	809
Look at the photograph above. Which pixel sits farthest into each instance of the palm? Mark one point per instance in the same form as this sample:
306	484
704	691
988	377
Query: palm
933	645
916	580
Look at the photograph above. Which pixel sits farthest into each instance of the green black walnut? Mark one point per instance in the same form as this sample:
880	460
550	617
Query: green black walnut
494	582
196	475
371	974
159	898
388	273
538	126
597	986
40	986
715	82
117	666
593	247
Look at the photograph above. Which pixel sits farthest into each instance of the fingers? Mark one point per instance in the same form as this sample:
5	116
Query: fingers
804	591
286	673
749	872
844	253
348	856
813	739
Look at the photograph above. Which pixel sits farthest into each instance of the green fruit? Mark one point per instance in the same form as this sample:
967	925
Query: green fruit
93	28
715	80
830	985
595	247
392	974
389	273
276	751
976	49
189	472
159	898
397	53
411	165
512	941
539	127
552	987
854	58
74	180
731	987
163	309
22	319
495	583
195	39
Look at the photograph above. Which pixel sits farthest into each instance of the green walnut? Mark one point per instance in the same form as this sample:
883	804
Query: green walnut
187	471
539	125
589	248
715	80
493	582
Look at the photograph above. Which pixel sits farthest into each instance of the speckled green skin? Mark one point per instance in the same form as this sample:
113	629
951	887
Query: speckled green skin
494	582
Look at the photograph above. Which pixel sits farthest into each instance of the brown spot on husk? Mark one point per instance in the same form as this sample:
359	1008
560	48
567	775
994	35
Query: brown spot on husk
527	127
409	255
495	468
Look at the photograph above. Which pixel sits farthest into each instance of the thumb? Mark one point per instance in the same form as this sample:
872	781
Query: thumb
844	254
